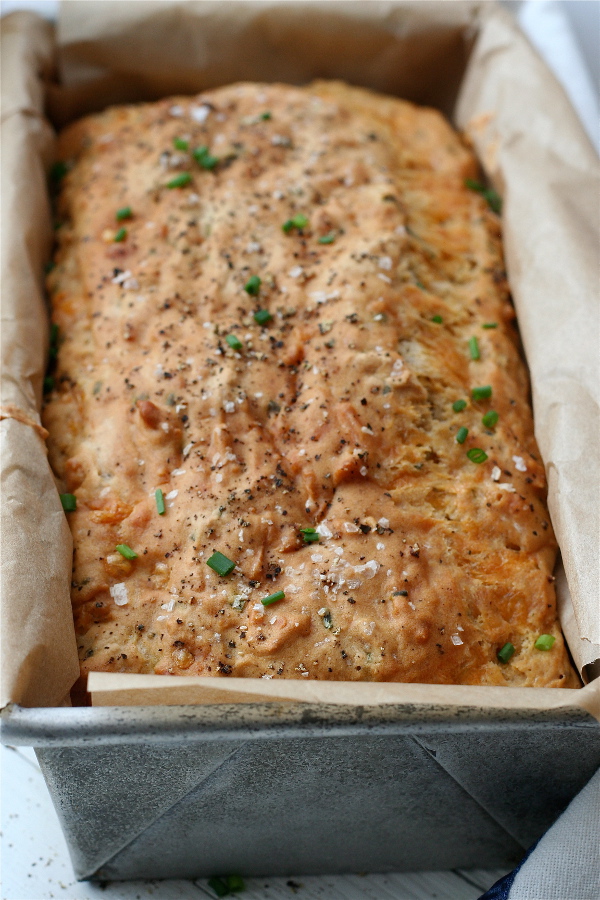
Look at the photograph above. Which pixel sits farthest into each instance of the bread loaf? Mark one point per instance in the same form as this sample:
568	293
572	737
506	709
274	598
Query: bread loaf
285	338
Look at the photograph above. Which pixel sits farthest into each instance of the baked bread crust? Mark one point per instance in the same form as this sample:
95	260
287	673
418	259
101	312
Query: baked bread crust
338	413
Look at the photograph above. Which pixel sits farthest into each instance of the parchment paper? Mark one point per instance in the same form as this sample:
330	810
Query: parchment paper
468	59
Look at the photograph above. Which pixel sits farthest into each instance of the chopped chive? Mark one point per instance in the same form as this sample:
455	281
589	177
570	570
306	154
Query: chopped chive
69	502
474	348
252	286
220	563
218	886
262	316
490	325
461	435
273	598
204	157
160	501
234	342
437	319
236	882
493	199
58	171
310	535
124	213
126	551
459	405
544	642
266	116
48	384
477	455
179	181
490	418
506	652
181	144
297	221
328	238
120	235
482	393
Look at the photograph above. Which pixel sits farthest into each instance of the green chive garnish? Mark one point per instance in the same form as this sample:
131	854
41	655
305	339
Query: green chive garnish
461	435
179	181
204	158
219	886
273	598
459	405
160	501
544	642
266	116
252	286
126	551
437	319
493	199
234	342
328	238
490	418
477	455
120	235
474	348
490	325
69	502
236	882
298	221
124	213
482	393
58	171
309	535
220	563
48	384
262	316
181	144
506	652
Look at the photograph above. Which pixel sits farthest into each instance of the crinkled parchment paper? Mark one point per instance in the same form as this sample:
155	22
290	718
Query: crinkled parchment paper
468	59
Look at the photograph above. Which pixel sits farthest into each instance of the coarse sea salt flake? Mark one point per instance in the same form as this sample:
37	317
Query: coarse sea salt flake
229	406
176	110
507	486
385	523
200	113
385	262
171	495
456	639
351	527
520	463
384	278
496	473
296	272
324	531
178	472
119	593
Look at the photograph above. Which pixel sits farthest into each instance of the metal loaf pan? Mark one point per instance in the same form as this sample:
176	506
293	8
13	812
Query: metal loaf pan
183	792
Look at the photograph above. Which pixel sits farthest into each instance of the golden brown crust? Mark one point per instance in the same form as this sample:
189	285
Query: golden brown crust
337	414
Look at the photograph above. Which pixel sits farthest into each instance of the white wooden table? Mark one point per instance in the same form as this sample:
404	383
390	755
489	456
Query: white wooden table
36	865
